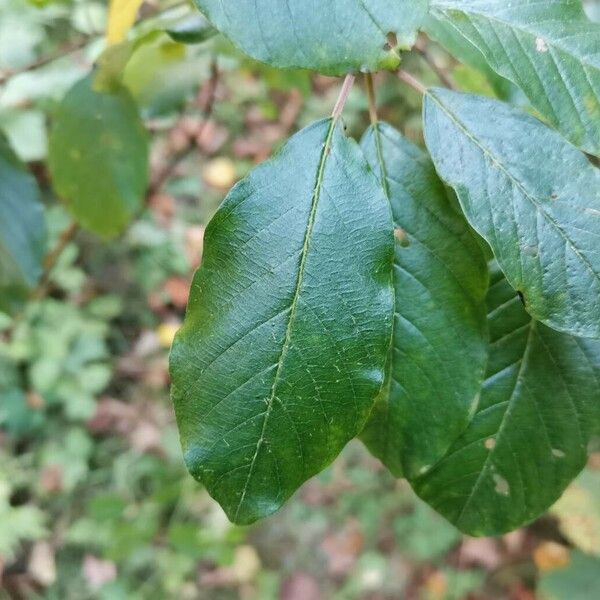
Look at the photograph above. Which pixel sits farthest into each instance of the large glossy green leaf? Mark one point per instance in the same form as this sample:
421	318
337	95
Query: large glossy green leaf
98	157
332	37
549	48
283	349
540	405
22	230
534	198
439	353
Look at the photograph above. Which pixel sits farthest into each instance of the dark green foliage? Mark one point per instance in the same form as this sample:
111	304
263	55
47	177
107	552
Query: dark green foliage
438	356
284	346
539	408
22	230
307	325
329	37
508	170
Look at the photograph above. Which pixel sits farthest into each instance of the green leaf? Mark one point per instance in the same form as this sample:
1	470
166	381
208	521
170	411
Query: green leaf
193	29
283	350
22	230
438	357
549	48
99	157
446	34
532	196
331	37
540	405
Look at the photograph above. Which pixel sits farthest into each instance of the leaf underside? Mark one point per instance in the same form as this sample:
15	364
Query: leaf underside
22	230
332	37
539	408
98	157
549	48
508	170
284	345
439	351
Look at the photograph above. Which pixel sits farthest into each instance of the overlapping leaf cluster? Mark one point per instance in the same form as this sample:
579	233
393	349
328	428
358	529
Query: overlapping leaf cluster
443	306
488	394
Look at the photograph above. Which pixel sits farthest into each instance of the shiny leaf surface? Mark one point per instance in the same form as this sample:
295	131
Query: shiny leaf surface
550	49
540	405
289	323
534	198
332	37
438	357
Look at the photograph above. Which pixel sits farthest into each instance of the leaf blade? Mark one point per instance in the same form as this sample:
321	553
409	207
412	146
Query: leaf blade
333	38
121	17
98	157
22	230
549	49
507	169
540	406
439	350
274	298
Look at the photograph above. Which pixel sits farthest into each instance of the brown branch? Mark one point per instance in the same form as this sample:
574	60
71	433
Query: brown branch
52	258
75	46
441	73
372	99
167	172
343	97
412	81
67	50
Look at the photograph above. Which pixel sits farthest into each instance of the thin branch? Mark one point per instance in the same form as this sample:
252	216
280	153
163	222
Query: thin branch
167	172
441	73
63	52
52	258
412	81
76	46
372	99
343	97
159	181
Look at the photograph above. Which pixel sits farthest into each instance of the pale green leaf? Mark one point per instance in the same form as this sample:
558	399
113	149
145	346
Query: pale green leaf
549	48
98	157
533	196
332	37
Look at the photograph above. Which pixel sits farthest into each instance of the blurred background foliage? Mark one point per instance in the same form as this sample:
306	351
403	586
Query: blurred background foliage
94	499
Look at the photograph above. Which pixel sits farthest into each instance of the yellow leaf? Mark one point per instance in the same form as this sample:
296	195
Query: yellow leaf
121	17
550	556
166	333
578	513
220	173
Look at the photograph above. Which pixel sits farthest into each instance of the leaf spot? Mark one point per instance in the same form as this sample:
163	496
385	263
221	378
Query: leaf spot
558	453
541	45
490	443
502	486
401	237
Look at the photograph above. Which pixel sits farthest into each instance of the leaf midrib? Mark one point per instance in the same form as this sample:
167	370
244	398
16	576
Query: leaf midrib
514	397
293	306
518	184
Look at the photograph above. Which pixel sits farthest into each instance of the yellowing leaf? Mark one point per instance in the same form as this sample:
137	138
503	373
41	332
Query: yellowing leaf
220	173
578	513
166	333
121	17
550	556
